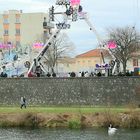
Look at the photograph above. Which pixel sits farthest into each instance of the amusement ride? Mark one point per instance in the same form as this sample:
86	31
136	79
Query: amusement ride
73	11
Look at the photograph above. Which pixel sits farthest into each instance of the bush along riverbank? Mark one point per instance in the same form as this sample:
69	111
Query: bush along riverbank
71	120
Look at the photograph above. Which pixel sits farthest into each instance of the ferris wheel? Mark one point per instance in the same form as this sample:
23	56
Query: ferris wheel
73	11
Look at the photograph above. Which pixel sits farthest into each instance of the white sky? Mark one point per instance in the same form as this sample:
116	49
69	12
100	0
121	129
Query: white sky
103	14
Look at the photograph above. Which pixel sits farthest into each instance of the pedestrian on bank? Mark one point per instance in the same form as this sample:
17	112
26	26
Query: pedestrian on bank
23	102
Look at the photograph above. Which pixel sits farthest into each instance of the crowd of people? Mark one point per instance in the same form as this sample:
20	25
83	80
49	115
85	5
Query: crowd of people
53	74
39	73
81	74
69	74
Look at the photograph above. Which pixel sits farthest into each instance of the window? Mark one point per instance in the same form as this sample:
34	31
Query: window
5	32
135	62
17	31
17	20
5	20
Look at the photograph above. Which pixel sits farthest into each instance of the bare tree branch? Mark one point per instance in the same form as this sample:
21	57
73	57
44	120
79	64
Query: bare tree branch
60	47
128	42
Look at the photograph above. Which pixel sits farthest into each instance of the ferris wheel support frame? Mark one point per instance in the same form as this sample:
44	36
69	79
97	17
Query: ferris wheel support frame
74	14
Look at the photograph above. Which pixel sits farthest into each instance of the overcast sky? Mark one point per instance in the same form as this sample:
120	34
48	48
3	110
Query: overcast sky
102	13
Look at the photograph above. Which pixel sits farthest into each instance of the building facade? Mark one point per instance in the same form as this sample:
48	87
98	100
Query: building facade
20	29
87	62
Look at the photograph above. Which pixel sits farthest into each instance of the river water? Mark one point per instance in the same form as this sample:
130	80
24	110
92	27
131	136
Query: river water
66	134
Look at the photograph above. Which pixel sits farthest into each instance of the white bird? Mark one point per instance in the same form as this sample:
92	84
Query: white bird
111	131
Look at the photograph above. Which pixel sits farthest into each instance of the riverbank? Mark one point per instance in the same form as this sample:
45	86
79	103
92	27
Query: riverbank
70	117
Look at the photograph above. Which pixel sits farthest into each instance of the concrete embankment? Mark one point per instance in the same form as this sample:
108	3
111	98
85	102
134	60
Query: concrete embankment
71	120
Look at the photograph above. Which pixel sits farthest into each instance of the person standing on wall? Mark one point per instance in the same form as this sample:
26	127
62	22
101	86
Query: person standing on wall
38	71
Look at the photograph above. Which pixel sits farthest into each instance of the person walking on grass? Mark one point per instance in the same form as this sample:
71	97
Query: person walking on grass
22	102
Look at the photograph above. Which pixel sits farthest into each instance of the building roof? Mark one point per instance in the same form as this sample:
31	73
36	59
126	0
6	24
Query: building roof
94	53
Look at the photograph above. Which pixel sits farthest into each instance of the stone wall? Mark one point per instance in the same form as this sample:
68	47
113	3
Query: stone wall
71	91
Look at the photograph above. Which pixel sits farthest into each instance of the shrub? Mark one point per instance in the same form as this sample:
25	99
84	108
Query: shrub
74	124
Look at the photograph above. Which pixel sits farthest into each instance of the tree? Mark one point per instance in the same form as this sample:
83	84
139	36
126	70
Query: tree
60	47
128	42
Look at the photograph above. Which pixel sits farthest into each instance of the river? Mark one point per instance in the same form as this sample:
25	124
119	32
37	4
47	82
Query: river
66	134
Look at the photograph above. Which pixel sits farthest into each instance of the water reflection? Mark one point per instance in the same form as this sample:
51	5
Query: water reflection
63	134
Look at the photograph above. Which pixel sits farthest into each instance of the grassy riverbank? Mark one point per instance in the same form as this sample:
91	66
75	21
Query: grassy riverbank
70	117
81	109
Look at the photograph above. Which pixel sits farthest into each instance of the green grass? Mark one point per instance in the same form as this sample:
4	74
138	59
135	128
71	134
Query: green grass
62	109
